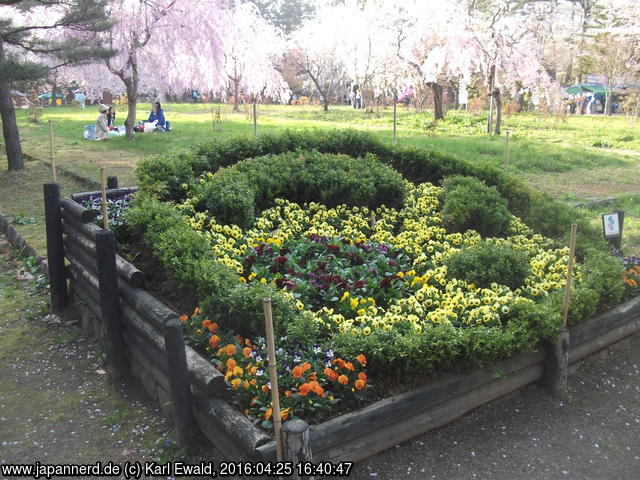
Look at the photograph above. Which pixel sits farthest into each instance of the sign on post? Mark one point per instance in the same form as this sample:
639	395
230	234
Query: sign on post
612	227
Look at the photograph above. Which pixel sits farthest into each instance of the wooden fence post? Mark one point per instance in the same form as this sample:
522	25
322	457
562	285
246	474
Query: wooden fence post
55	249
297	448
110	304
395	119
556	364
112	183
255	119
506	151
179	382
53	153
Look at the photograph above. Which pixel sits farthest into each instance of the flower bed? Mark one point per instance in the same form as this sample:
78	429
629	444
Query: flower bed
371	284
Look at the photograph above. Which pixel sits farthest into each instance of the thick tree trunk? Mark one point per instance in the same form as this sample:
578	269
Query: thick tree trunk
9	124
325	104
132	92
607	104
498	99
438	92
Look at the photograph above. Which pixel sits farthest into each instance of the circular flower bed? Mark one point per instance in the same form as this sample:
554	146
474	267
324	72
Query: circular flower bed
356	269
360	291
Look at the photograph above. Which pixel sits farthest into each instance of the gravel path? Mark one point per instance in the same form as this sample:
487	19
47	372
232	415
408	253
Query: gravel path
56	403
57	406
594	434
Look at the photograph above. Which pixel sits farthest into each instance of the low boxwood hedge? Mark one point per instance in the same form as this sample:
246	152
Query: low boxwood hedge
233	193
163	174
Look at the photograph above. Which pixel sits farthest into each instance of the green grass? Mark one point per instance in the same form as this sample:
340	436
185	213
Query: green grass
560	155
630	204
21	196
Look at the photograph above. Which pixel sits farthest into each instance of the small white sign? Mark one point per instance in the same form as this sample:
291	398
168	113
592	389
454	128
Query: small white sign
611	224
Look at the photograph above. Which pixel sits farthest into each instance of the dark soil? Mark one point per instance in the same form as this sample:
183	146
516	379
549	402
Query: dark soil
157	280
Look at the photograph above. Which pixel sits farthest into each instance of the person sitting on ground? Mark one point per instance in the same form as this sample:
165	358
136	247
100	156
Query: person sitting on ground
111	117
102	130
157	116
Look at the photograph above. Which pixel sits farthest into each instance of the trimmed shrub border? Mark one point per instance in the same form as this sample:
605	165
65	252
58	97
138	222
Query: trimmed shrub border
352	436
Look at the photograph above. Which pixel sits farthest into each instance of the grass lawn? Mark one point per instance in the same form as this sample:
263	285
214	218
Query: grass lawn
576	158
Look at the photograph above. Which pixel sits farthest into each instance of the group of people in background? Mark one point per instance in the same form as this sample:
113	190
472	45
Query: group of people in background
355	97
106	122
583	104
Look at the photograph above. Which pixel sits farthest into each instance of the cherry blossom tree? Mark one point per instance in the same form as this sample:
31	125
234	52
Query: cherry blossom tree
615	49
253	48
168	46
432	41
316	53
509	55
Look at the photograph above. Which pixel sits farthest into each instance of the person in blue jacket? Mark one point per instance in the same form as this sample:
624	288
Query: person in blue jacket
157	116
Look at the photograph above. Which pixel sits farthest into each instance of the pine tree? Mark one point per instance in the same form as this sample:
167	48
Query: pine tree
57	33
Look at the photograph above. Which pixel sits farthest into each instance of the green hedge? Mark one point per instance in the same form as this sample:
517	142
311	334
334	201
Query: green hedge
164	174
470	204
236	192
486	263
187	258
233	193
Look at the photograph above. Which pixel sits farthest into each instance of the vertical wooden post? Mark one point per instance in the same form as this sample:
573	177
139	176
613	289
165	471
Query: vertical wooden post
105	208
110	304
55	248
255	119
112	183
179	382
506	151
53	152
556	365
273	377
297	448
395	118
567	290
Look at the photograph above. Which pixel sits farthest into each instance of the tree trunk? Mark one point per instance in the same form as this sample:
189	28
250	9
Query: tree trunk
438	91
132	92
9	124
54	87
236	95
325	104
607	104
492	79
498	99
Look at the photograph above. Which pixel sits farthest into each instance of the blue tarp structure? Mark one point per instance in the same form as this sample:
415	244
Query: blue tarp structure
586	88
47	96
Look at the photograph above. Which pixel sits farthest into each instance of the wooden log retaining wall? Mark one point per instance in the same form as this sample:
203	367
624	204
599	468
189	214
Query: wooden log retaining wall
350	437
358	435
145	321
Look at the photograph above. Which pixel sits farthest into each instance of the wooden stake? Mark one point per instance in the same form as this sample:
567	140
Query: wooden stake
273	377
567	291
103	189
395	118
53	152
255	119
506	151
